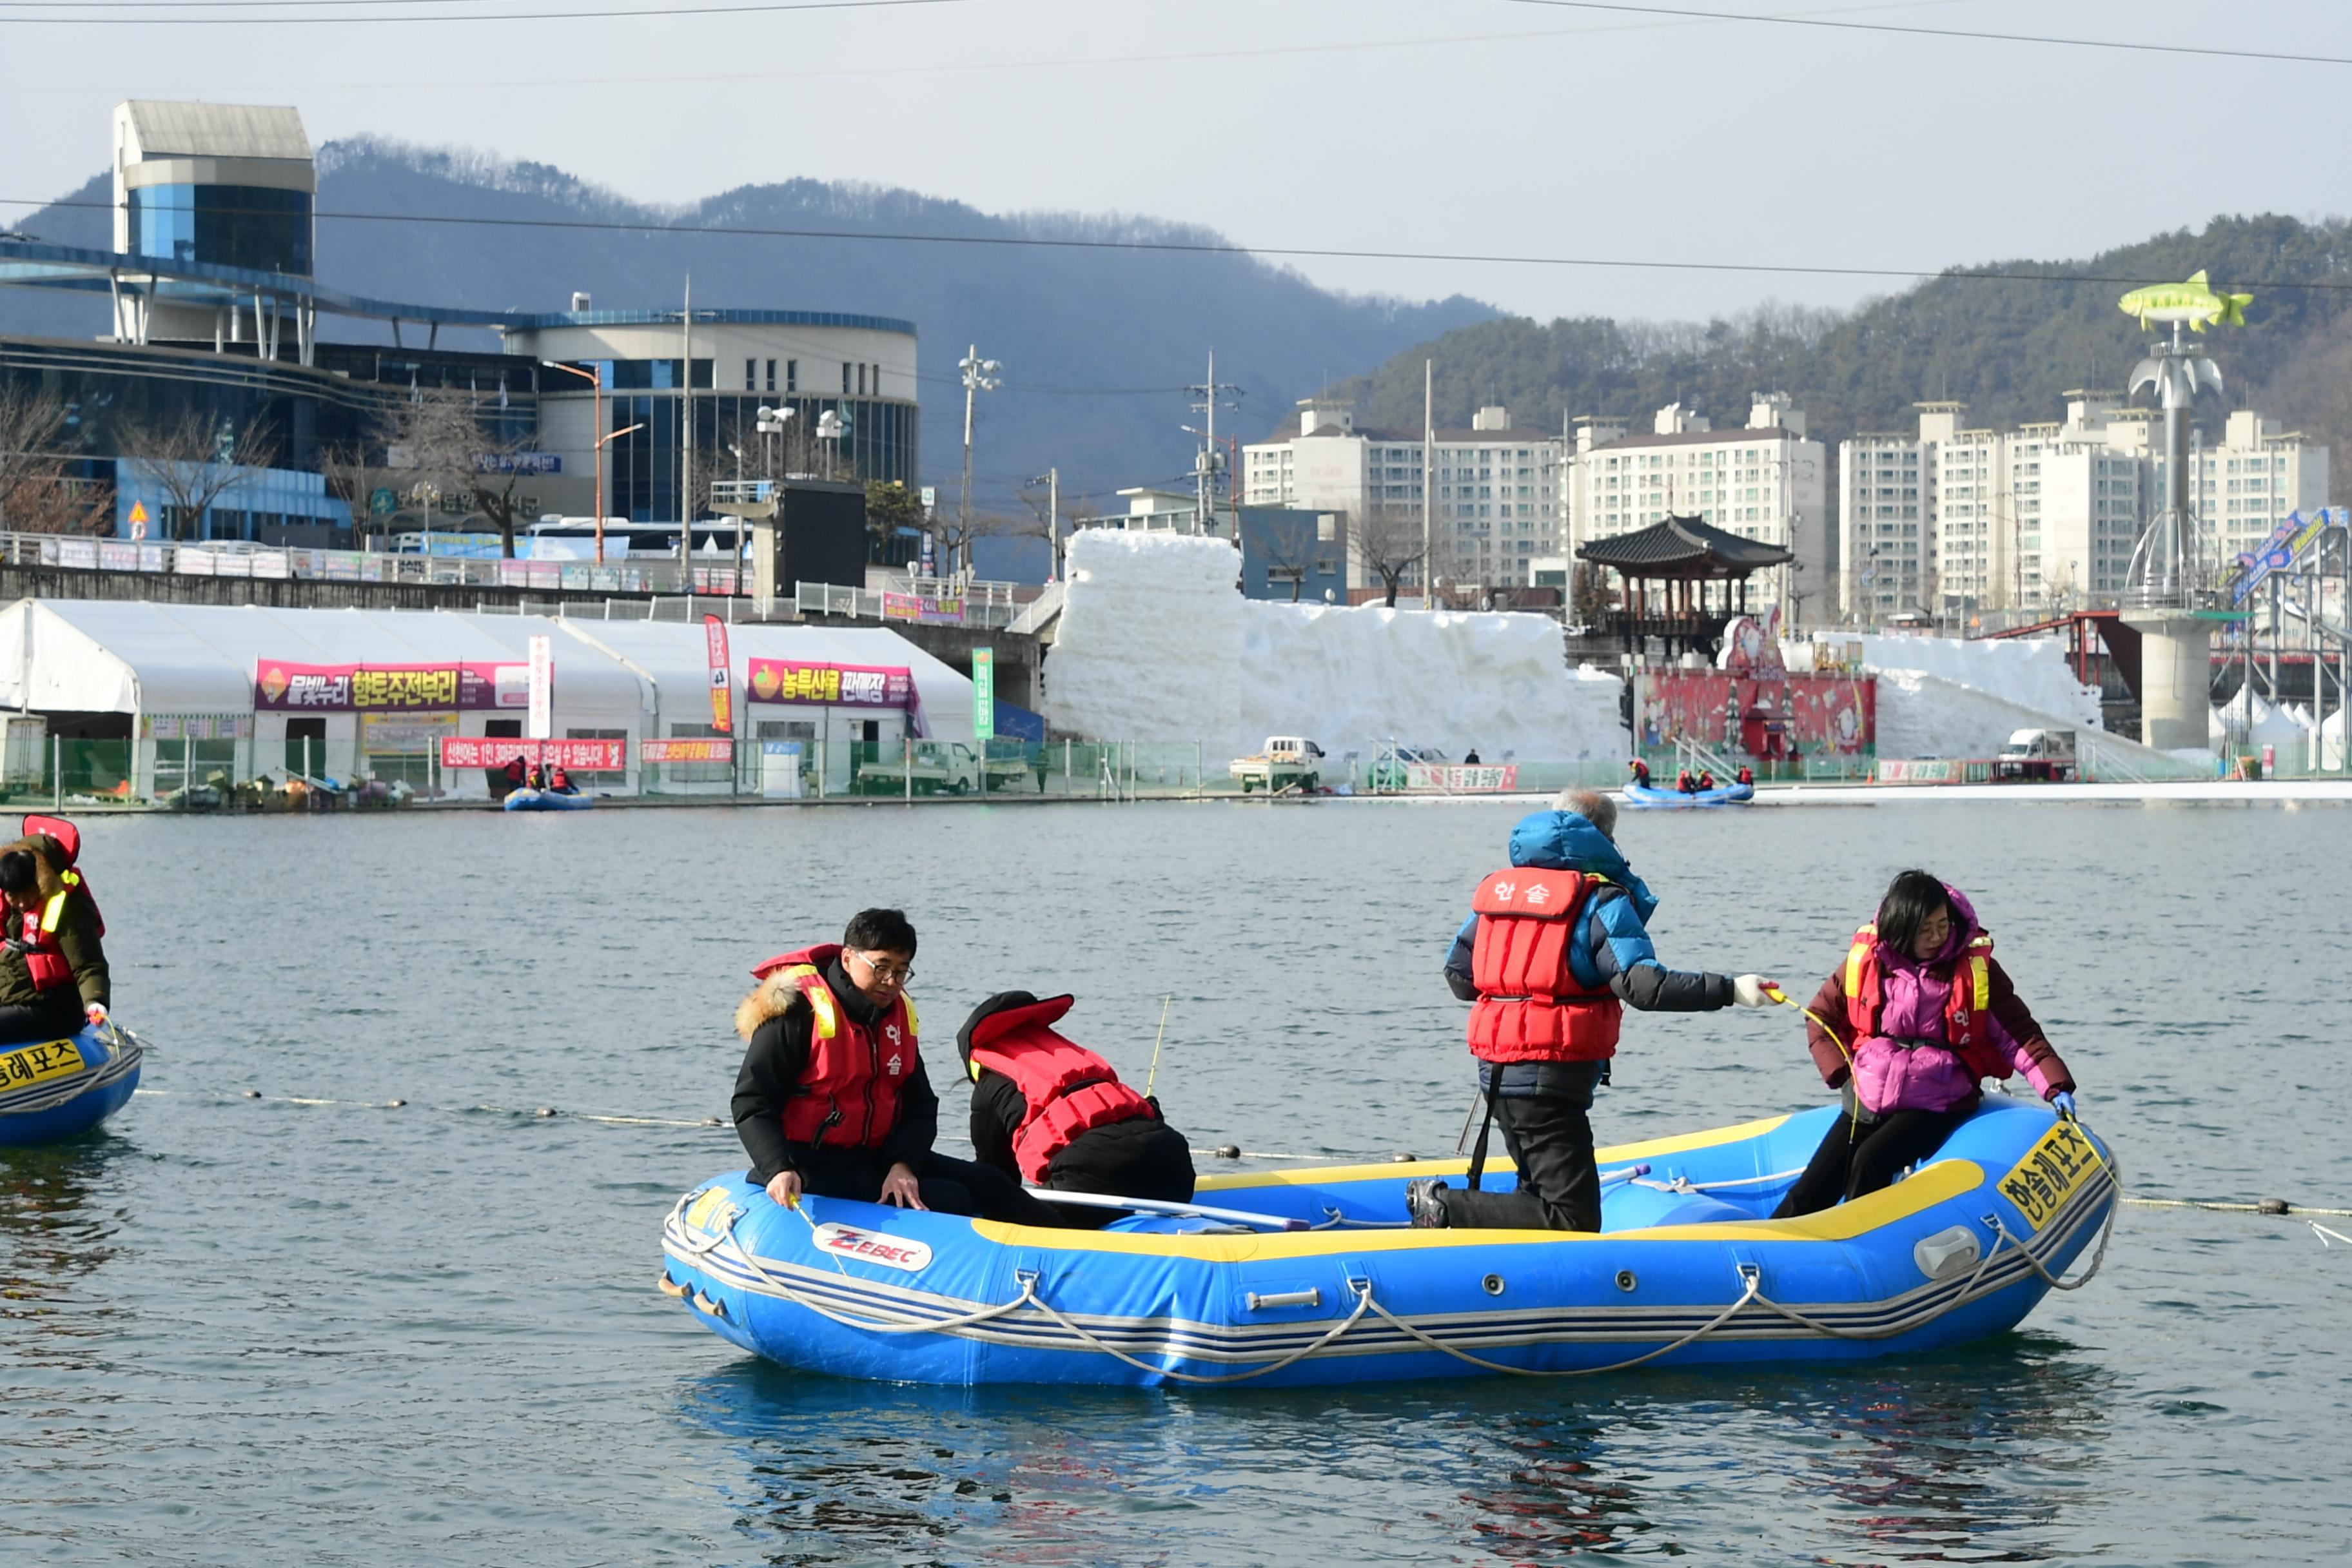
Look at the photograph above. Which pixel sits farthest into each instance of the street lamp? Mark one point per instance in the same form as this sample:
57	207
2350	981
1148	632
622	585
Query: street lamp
979	375
828	433
595	381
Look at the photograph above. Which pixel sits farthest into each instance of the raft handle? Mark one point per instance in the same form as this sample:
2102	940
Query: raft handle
1310	1296
670	1287
707	1307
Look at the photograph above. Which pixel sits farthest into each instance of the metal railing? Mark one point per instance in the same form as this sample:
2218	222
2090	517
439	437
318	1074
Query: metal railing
232	558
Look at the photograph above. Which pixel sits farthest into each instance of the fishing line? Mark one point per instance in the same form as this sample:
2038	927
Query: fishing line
1153	1075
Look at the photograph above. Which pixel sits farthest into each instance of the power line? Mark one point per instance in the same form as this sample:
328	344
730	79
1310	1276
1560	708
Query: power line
1690	13
445	18
1228	248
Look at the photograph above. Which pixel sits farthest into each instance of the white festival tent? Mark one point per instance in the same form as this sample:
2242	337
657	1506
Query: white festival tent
181	675
673	658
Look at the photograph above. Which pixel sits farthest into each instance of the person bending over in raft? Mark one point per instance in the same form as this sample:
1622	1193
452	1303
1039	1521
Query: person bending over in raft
1918	1013
833	1099
1640	771
52	974
1555	949
1046	1109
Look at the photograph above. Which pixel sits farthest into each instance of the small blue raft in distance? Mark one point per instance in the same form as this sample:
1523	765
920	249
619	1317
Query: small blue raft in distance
1650	796
1310	1277
55	1089
529	799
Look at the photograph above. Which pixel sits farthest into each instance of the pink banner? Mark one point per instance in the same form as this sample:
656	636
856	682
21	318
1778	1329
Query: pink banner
722	700
1463	778
283	687
847	685
497	750
922	610
686	751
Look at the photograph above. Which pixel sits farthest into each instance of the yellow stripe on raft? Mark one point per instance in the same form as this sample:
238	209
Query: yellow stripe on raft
1323	1176
1931	1187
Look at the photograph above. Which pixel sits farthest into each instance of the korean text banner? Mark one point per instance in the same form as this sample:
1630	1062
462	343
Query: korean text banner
497	750
847	685
282	686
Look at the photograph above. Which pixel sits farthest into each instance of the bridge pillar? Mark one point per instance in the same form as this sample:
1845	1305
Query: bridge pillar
2176	700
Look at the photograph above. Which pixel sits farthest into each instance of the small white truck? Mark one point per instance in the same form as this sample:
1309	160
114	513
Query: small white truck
1287	761
2044	754
953	768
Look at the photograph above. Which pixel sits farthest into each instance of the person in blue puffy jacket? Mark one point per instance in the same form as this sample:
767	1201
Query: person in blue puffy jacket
1564	955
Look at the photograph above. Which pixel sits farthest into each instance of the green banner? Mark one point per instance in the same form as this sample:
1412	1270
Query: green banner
983	693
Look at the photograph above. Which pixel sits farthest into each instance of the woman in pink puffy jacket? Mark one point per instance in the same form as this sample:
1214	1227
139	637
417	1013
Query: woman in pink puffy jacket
1915	1018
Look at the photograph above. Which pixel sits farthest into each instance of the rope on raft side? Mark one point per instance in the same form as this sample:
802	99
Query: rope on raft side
1751	1294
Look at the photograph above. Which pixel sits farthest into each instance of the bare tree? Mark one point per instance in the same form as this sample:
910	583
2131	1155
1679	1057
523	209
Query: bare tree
193	461
1288	546
446	438
1389	542
38	491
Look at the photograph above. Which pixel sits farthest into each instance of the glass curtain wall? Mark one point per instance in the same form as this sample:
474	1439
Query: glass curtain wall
226	226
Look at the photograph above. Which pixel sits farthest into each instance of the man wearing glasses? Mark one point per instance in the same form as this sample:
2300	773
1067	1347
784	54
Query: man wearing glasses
833	1099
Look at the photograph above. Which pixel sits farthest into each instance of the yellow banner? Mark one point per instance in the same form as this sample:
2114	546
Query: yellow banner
38	1064
2053	1170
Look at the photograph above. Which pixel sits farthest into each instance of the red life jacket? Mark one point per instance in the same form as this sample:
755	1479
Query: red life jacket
1531	1008
560	780
1968	1011
44	960
513	771
847	1097
1070	1090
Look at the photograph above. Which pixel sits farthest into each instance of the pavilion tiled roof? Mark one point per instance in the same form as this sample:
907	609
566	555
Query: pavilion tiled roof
1683	547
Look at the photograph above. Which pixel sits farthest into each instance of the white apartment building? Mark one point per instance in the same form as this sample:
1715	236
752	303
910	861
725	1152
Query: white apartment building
2045	517
1763	482
1492	490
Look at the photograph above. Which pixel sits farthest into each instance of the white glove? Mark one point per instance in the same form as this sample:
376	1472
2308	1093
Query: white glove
1752	990
95	1013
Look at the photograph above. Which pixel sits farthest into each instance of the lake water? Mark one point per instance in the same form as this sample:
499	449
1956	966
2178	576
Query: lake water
253	1332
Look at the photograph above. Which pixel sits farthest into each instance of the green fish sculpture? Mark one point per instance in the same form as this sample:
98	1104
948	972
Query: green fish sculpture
2195	302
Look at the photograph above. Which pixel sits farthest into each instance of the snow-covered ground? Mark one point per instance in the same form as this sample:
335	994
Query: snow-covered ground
1155	645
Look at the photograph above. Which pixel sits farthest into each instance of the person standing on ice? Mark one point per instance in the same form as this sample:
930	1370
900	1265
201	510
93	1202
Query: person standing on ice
1556	948
1914	1017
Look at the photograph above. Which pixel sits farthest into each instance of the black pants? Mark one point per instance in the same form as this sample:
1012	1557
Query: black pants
1857	1159
950	1186
54	1016
1550	1135
1137	1159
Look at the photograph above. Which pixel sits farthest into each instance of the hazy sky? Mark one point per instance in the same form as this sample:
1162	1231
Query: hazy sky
1482	127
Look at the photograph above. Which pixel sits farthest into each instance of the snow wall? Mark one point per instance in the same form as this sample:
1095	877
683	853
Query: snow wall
1155	645
1922	715
1949	697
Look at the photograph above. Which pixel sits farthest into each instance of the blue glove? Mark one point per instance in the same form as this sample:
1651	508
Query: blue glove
2065	1102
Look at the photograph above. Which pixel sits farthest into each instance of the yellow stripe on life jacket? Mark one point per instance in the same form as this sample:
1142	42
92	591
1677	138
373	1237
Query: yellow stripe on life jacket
821	1009
1855	957
51	911
913	1026
1980	980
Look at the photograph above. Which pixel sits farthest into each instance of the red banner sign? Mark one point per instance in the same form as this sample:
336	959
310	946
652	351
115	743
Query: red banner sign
722	707
282	686
847	685
718	749
497	750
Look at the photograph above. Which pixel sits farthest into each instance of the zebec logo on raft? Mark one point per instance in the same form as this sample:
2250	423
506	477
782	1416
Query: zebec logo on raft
874	1247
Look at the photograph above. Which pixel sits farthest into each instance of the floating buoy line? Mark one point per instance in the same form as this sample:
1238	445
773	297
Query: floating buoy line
2265	1208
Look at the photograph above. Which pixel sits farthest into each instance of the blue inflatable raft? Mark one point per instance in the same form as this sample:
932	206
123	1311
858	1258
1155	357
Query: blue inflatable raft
547	800
55	1088
1309	1278
1724	795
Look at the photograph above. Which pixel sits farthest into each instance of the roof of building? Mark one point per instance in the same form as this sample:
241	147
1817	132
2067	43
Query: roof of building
1700	437
216	131
705	317
1517	434
1683	547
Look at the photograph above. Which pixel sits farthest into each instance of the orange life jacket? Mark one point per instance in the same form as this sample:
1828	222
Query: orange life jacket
848	1096
44	960
1070	1090
1967	1009
1531	1008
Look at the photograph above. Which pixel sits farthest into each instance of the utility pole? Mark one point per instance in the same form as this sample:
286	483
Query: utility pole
686	435
1205	464
1053	519
1428	481
979	376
